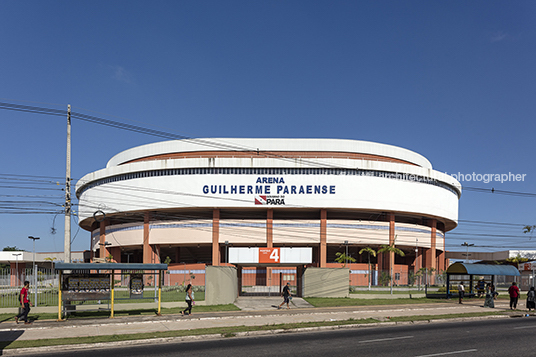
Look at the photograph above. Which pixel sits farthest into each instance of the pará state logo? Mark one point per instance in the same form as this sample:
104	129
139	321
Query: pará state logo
270	200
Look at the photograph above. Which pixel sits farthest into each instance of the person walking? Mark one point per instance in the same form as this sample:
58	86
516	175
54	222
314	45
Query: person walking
189	298
489	297
513	290
481	288
461	292
531	299
286	296
25	302
494	292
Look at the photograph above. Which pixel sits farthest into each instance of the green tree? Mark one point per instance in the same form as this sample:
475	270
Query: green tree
391	249
343	258
370	251
516	260
12	249
384	278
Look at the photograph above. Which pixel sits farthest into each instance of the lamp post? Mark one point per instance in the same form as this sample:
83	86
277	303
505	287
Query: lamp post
17	267
226	251
34	269
128	256
467	245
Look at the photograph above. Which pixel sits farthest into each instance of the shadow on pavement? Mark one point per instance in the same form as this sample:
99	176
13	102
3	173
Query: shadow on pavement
8	337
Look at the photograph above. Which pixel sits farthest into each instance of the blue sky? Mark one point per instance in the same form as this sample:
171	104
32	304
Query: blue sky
451	80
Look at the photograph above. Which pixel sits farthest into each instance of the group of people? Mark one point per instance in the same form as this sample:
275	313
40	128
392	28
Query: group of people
491	295
189	298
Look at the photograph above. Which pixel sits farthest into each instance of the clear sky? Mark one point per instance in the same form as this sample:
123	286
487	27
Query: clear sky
451	80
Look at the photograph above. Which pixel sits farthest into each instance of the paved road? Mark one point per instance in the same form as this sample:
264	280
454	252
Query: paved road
496	337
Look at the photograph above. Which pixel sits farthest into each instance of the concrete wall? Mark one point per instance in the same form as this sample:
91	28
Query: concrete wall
326	282
221	285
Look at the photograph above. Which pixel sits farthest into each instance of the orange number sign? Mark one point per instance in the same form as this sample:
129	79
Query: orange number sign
268	255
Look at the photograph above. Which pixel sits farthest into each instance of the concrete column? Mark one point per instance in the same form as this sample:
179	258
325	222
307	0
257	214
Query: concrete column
433	240
216	237
442	263
270	228
103	252
323	238
147	251
239	275
299	282
155	256
418	260
269	242
391	255
430	253
15	275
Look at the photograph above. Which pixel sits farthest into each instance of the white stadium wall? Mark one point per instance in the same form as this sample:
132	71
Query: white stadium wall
320	193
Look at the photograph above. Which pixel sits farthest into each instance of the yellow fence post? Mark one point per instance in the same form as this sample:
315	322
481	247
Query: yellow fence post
112	297
159	291
59	298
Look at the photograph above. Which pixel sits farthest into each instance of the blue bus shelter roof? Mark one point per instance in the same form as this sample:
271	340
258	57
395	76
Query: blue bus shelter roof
482	269
109	266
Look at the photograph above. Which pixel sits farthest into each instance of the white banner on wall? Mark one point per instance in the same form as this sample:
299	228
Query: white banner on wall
266	256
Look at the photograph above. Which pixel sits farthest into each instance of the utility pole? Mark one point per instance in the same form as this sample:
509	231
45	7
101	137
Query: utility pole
67	245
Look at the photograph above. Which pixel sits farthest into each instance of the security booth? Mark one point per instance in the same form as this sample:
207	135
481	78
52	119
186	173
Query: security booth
464	272
275	266
528	274
81	282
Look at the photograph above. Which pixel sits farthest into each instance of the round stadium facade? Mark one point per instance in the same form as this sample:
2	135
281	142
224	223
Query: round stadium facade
186	202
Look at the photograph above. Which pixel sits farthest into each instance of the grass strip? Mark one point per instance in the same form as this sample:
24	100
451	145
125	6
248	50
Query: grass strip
386	292
442	317
223	331
121	313
333	302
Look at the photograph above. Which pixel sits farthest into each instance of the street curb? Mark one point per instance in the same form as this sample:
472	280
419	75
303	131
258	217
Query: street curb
65	348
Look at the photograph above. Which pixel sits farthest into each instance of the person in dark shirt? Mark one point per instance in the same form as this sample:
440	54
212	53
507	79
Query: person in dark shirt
513	290
481	287
286	296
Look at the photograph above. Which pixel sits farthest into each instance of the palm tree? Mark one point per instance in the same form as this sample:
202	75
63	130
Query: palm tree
391	249
343	258
370	251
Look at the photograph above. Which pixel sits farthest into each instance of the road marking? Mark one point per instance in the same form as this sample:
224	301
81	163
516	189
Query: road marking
520	327
448	353
385	339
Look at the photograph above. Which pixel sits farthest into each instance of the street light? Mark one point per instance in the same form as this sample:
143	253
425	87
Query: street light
17	266
34	269
467	245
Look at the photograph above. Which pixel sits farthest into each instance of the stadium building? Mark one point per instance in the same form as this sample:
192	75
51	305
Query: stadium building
187	202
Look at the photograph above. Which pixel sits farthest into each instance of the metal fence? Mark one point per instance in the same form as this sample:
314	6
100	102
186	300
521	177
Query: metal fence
43	286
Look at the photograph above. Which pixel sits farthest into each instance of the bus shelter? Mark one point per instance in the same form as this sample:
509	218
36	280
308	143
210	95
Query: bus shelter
95	281
468	271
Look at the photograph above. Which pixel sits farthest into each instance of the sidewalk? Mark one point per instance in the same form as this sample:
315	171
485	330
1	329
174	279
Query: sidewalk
261	311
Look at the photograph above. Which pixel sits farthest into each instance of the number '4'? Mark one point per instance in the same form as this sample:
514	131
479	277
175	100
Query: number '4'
275	255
